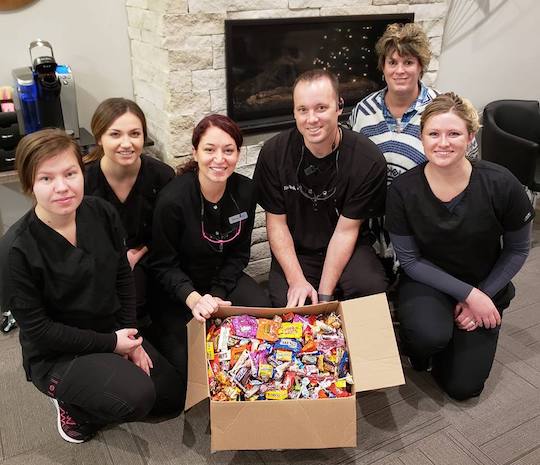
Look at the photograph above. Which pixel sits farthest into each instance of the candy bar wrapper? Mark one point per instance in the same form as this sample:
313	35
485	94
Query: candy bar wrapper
324	328
301	319
288	316
268	330
224	356
283	355
341	383
210	350
292	345
236	352
242	361
343	364
288	379
254	344
280	370
311	346
290	330
244	326
333	321
280	394
223	340
254	364
265	371
210	333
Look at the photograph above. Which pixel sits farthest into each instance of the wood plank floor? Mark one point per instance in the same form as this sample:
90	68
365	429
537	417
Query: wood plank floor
414	424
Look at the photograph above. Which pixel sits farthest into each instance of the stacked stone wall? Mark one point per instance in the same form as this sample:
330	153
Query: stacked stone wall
178	66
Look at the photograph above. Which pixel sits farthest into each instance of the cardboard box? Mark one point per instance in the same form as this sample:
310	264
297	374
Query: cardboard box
302	423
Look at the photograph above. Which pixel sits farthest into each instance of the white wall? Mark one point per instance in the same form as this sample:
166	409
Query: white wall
90	36
491	50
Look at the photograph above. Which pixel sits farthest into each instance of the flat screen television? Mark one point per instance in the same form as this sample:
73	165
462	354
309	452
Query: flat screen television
264	56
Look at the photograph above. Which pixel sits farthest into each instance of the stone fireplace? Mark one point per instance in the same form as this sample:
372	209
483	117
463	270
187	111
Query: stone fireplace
178	66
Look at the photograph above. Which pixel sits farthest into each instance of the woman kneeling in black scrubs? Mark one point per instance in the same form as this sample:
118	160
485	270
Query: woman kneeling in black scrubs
202	236
65	276
129	180
446	219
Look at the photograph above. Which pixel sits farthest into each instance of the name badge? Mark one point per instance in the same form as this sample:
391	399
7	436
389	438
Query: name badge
237	218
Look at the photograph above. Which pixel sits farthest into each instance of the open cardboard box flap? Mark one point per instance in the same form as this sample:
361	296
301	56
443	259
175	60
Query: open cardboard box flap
372	344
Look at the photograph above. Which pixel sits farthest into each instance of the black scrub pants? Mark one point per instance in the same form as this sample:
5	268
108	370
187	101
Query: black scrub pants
104	388
363	275
461	360
141	282
169	321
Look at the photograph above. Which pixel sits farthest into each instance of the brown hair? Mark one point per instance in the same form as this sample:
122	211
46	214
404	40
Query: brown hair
316	74
38	147
222	122
452	103
105	115
405	39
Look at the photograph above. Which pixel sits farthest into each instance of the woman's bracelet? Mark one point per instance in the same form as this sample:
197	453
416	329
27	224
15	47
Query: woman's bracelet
325	297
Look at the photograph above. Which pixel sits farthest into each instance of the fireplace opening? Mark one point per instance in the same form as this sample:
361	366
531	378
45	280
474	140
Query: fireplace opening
264	57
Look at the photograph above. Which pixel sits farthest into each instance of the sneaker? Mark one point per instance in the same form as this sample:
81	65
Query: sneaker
69	429
8	323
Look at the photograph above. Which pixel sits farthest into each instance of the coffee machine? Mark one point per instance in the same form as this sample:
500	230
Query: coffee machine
45	93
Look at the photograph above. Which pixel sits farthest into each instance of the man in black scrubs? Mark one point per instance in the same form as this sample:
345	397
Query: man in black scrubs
318	183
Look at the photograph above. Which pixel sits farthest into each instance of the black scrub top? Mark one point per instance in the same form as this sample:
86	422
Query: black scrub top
180	258
137	210
466	240
356	170
67	300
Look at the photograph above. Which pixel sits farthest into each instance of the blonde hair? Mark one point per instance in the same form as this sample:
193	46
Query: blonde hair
405	39
452	103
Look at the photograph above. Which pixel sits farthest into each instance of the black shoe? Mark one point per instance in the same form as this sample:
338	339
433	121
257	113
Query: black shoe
420	363
70	429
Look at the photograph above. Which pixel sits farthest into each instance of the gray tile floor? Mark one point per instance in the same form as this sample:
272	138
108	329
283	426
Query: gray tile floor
414	424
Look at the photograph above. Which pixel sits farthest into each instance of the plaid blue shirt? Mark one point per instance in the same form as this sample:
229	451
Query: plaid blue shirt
398	126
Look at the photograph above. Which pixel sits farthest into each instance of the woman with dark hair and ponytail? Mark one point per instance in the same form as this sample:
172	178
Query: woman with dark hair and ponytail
201	236
119	173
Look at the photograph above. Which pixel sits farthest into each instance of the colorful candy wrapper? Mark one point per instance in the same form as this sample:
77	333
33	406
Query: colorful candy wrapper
288	344
210	350
242	361
236	352
290	330
268	330
283	355
244	326
265	371
280	394
223	340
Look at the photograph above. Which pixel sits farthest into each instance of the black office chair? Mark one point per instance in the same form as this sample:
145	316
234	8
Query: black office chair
511	138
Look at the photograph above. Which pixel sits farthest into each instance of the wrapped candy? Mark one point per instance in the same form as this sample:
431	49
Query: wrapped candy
289	357
244	326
